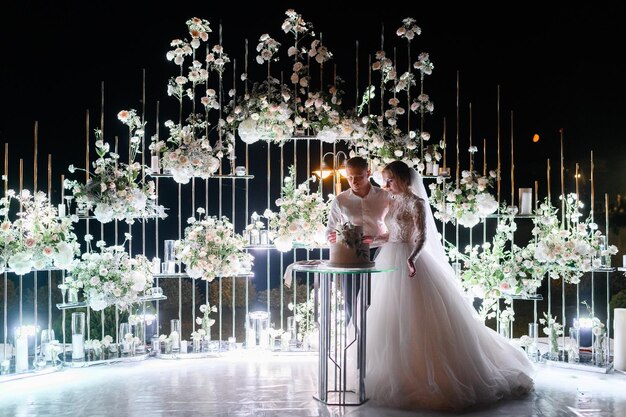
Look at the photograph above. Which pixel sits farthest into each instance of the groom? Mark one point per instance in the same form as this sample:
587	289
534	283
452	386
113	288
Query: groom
363	205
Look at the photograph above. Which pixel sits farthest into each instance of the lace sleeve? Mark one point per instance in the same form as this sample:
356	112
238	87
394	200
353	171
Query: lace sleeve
419	228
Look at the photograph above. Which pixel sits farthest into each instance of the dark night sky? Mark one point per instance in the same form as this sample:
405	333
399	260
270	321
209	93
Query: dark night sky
556	69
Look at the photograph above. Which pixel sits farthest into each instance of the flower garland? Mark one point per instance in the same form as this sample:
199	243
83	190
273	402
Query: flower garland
188	151
38	238
212	249
114	190
302	215
111	276
465	202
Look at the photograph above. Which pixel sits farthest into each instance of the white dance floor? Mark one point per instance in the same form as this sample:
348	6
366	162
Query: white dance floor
282	384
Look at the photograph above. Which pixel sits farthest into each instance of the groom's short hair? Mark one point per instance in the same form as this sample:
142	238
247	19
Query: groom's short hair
357	163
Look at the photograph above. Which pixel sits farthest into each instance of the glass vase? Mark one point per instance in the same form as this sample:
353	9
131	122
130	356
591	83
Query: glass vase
533	348
505	330
175	335
573	348
197	345
599	350
554	347
78	337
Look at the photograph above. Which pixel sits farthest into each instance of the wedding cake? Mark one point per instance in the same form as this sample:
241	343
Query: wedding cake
350	251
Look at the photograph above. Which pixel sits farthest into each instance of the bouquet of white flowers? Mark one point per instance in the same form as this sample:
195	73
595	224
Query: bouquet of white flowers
212	249
302	215
114	190
570	249
465	202
110	276
38	238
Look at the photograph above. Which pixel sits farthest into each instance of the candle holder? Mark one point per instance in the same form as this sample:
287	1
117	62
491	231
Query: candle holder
175	335
258	325
533	348
125	341
78	337
525	201
21	350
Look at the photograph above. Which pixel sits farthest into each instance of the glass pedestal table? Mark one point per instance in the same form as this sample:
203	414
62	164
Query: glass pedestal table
341	379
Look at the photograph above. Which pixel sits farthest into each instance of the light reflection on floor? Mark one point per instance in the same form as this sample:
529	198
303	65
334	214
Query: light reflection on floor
268	385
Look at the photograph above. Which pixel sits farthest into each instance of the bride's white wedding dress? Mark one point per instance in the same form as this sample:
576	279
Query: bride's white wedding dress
425	346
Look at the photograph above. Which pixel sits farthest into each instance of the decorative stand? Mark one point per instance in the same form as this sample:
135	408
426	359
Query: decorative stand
337	336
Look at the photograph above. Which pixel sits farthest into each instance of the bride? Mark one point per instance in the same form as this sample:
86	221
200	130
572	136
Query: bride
425	346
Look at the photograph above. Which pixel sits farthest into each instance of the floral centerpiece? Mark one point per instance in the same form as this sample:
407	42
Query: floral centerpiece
111	276
116	190
571	248
466	200
380	138
38	238
189	151
302	215
500	268
212	249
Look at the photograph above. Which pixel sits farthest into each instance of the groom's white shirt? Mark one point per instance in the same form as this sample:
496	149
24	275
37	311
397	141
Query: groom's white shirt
368	211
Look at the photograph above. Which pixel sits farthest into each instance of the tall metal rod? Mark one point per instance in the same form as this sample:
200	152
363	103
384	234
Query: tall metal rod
21	188
269	176
499	179
180	233
192	280
35	277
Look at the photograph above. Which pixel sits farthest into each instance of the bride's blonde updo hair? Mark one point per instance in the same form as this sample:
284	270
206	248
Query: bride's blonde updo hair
401	173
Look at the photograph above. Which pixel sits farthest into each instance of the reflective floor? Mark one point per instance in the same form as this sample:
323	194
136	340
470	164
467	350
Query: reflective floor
267	385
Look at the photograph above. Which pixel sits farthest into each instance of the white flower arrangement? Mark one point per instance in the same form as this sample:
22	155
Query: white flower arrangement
466	202
274	111
379	138
304	312
38	238
302	215
212	249
568	250
188	151
499	269
111	276
115	190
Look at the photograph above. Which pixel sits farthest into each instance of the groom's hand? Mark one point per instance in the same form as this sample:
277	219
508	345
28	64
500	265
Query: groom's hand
411	265
332	237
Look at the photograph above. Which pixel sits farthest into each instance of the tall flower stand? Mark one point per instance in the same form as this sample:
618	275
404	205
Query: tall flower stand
341	379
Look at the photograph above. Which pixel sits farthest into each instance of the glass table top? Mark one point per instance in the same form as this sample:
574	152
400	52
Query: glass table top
323	267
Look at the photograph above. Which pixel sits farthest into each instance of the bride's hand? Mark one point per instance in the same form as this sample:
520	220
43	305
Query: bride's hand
411	265
367	239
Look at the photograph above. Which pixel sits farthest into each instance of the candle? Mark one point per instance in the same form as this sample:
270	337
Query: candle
624	261
435	168
154	164
525	200
285	338
251	338
183	346
61	208
78	347
21	353
619	339
156	265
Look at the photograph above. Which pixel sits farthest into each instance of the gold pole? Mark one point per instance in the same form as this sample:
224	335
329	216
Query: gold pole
498	179
548	173
36	134
87	147
562	180
576	177
471	164
536	194
512	165
6	168
457	128
444	144
484	157
593	199
49	178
